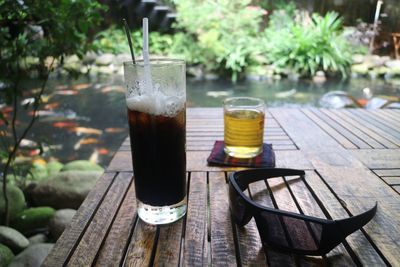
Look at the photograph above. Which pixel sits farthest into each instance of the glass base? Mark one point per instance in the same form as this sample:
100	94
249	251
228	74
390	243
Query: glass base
243	151
161	215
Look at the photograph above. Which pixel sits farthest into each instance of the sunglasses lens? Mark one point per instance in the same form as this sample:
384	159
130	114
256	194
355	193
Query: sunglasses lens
237	205
288	233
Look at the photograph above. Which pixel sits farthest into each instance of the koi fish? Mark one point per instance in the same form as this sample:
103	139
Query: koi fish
84	130
107	89
66	92
81	86
114	130
52	105
65	124
85	141
103	151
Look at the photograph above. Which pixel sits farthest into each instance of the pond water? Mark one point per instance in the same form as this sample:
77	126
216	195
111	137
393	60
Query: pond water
86	118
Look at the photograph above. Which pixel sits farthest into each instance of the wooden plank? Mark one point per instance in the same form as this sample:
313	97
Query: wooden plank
393	114
284	201
169	245
329	130
382	116
121	162
339	256
350	179
112	251
197	161
365	116
373	126
397	188
392	180
91	241
377	159
73	233
387	172
222	248
364	129
195	247
141	246
340	129
260	194
353	128
364	251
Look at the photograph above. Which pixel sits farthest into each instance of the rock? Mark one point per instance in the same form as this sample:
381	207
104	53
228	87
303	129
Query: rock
393	64
38	171
319	77
82	165
13	239
361	69
64	190
16	200
60	221
33	219
6	256
37	239
54	167
106	69
71	60
357	59
211	76
89	58
33	256
195	71
104	59
121	58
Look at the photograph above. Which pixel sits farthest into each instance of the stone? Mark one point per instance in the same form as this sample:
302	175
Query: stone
33	219
13	239
66	189
357	59
71	60
195	71
33	256
211	76
60	221
393	64
104	59
54	167
121	58
38	171
89	58
16	201
319	77
361	69
37	239
6	256
81	165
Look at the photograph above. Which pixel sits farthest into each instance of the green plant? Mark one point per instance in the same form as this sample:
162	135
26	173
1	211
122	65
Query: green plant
41	33
113	40
309	44
225	32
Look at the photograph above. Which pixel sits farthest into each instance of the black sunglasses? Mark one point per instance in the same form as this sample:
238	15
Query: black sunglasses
287	231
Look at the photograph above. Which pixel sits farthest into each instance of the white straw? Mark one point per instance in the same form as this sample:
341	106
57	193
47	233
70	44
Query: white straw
147	71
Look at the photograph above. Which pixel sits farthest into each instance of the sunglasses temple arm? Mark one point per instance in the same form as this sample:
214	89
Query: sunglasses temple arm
354	223
245	178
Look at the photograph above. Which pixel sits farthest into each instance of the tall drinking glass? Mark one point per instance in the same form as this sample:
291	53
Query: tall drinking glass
156	102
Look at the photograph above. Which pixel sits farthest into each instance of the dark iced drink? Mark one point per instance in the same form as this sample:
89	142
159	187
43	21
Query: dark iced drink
156	100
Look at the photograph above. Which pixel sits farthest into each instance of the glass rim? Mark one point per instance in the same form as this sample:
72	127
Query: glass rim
156	62
230	101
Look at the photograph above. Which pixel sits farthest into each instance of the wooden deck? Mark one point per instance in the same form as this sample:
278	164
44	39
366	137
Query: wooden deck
351	158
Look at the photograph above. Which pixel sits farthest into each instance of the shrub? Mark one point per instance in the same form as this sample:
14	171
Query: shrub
308	44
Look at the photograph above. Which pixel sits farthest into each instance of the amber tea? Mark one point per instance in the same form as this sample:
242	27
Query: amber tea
243	126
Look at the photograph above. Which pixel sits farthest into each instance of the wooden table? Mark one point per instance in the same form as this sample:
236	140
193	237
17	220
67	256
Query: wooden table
351	158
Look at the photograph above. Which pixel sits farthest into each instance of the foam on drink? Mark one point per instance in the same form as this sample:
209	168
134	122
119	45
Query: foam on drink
156	103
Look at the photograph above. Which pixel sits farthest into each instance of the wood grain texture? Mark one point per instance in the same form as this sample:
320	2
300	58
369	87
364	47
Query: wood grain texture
91	241
336	165
140	249
378	159
73	233
260	194
222	248
113	248
387	172
372	126
169	245
195	247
